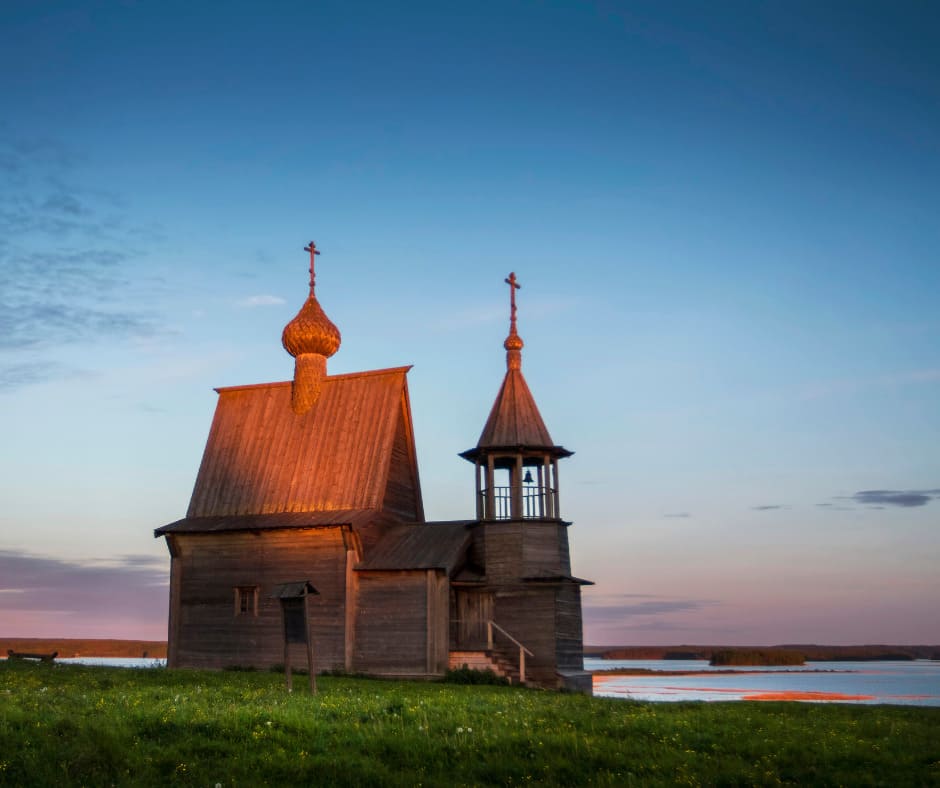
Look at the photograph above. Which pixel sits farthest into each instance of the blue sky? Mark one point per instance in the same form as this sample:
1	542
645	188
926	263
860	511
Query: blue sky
723	217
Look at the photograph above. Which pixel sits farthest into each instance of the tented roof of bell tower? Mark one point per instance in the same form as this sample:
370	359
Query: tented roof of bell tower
514	419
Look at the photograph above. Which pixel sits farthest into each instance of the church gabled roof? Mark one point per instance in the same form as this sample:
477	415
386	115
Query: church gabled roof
263	458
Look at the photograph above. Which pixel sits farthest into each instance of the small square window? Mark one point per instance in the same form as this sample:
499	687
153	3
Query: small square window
246	600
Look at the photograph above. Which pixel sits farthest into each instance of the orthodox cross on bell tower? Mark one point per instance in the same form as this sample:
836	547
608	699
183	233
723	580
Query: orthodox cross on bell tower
312	248
513	343
513	286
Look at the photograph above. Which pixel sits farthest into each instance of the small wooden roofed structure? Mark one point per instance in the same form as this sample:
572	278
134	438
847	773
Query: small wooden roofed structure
296	619
404	597
294	590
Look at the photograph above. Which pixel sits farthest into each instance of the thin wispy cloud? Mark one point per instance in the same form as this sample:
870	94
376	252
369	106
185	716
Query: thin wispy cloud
17	375
677	515
828	388
259	300
631	607
498	312
769	507
67	255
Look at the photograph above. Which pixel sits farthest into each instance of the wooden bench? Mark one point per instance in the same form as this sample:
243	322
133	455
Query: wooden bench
11	654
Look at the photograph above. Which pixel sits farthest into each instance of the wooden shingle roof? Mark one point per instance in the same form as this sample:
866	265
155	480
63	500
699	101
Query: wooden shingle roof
420	546
266	522
262	458
514	422
514	419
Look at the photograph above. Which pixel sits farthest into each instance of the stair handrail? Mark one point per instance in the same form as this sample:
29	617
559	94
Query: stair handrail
490	626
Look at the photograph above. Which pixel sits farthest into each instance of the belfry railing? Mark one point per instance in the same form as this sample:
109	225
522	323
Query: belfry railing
534	501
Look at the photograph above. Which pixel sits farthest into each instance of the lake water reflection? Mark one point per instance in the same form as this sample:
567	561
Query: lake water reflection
911	683
115	662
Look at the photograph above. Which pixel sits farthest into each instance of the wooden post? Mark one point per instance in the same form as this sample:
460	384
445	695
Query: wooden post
490	492
548	491
173	623
521	665
311	668
480	489
516	481
489	635
555	479
290	684
541	488
349	643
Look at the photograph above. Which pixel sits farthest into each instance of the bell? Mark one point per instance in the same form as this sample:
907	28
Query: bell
527	479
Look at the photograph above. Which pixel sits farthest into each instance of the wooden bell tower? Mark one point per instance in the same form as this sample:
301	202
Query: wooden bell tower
520	539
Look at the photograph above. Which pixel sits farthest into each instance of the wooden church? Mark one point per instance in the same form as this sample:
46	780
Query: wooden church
315	481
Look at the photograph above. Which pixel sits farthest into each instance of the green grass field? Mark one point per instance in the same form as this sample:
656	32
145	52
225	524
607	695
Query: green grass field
73	725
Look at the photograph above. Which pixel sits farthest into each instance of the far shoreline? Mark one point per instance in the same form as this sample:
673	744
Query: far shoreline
69	648
718	672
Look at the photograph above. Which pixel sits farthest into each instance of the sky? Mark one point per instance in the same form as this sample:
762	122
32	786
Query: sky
723	217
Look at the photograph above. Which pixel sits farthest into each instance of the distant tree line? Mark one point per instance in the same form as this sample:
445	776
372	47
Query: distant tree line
811	652
740	656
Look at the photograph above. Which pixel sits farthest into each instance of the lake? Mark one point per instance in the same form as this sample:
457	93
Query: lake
914	683
115	662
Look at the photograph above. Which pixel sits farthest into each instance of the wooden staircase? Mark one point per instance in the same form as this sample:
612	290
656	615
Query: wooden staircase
504	660
484	660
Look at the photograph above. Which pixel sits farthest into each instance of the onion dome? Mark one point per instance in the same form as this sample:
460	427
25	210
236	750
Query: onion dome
311	338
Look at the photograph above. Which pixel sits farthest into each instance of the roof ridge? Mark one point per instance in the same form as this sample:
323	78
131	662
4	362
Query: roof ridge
328	378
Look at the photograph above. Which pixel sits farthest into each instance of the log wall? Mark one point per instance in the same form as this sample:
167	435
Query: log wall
569	648
208	569
528	614
391	623
521	548
438	622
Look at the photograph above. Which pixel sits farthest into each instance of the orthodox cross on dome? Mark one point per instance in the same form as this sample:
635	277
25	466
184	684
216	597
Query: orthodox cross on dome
312	248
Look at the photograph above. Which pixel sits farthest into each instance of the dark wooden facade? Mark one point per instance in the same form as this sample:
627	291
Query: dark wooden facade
321	485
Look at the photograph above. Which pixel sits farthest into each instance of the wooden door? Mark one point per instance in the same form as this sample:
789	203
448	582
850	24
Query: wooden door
474	609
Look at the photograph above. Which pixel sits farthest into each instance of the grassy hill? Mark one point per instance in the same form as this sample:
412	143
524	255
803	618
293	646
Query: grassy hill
73	725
